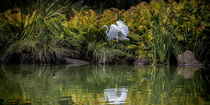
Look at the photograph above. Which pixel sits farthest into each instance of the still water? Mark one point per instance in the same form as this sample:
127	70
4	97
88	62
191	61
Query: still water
103	85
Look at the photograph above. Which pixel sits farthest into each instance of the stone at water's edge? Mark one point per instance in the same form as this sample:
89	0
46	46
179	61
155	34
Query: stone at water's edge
76	61
188	59
141	61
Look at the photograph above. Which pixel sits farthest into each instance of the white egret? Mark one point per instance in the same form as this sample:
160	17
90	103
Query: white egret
119	31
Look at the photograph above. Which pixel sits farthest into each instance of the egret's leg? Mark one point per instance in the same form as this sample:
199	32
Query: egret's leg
112	42
117	38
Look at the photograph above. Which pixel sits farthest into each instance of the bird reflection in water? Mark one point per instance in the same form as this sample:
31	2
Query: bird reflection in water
115	96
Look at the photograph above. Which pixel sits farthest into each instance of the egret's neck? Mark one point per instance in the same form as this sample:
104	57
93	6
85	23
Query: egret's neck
107	29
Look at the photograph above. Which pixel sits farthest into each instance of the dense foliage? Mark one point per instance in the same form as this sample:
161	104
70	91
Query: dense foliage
159	31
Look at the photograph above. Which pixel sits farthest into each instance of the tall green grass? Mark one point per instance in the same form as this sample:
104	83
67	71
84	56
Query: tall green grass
38	37
165	43
166	29
107	53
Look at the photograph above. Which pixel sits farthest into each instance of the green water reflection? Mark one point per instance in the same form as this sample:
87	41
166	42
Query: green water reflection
101	85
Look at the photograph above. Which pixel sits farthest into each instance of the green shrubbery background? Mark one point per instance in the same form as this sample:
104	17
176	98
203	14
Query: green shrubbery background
50	33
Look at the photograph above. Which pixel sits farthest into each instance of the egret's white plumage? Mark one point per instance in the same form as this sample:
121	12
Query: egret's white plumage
119	31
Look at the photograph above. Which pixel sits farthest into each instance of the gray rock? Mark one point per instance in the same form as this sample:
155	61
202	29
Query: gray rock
76	61
141	61
188	59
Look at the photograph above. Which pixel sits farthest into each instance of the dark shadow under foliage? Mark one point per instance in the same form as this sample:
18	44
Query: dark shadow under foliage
94	4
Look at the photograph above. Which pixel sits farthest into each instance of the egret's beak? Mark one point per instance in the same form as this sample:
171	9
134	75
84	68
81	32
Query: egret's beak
100	28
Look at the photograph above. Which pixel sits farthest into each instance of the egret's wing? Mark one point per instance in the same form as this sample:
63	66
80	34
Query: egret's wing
123	27
114	32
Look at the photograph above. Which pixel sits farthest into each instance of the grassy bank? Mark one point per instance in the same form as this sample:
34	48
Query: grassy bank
50	33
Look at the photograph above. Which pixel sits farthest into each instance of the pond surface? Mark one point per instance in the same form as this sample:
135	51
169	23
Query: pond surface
102	85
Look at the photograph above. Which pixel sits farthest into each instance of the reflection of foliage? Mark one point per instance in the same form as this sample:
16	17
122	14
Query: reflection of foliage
85	84
109	75
48	84
164	86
